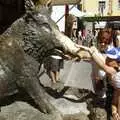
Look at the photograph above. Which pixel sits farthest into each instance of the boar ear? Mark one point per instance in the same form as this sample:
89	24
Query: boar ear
39	2
29	5
49	6
42	2
49	2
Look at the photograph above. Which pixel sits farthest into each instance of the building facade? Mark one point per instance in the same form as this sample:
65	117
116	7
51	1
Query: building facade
101	7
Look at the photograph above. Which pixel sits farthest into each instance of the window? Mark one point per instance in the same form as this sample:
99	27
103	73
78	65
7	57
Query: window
101	7
118	4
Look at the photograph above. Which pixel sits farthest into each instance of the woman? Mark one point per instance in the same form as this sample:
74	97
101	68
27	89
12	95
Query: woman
54	64
98	75
113	61
111	67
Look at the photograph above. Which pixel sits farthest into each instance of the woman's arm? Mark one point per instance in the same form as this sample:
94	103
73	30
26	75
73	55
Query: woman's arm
109	70
100	60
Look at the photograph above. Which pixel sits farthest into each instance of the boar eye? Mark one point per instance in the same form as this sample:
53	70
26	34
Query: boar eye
46	25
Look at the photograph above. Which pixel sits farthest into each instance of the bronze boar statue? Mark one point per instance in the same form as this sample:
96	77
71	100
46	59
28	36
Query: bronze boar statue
31	38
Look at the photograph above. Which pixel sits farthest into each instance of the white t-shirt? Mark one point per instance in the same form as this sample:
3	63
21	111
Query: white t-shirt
101	74
116	80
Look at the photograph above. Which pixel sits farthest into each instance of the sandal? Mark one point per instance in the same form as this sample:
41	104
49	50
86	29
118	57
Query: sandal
115	115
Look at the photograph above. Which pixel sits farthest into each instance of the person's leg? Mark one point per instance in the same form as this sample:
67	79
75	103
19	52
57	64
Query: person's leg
52	75
115	105
119	102
57	75
59	66
115	114
53	69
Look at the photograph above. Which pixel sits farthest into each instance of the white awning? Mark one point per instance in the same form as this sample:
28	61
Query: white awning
76	12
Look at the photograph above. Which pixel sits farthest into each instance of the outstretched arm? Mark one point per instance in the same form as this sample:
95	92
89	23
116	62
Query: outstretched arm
98	58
